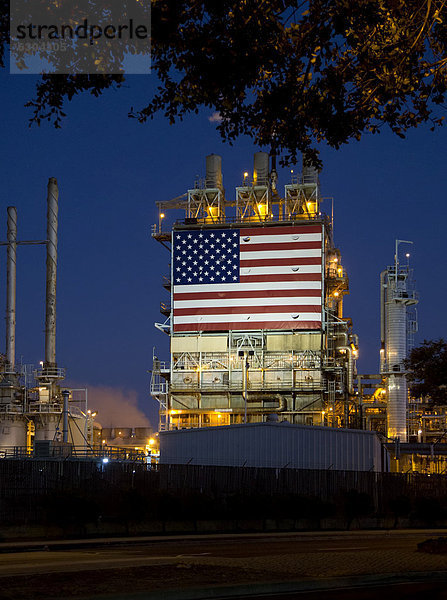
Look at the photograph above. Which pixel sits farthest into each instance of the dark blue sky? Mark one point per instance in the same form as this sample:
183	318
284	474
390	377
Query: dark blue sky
111	171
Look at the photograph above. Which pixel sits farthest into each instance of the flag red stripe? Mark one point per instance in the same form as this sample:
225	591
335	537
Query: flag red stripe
273	262
282	277
246	294
248	326
281	246
238	310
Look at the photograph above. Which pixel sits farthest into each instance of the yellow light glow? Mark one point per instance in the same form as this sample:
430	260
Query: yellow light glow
336	294
151	441
339	270
162	215
245	175
262	209
335	259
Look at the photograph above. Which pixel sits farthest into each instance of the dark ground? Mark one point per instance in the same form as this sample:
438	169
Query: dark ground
299	565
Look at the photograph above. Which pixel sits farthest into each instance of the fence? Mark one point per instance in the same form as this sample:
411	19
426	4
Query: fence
69	493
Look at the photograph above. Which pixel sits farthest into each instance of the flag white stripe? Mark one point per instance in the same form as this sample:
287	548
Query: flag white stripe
258	285
311	253
278	239
223	302
286	269
248	318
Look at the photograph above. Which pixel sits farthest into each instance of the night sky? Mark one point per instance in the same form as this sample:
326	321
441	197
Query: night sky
111	171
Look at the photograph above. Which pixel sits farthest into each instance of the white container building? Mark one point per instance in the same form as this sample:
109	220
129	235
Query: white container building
276	445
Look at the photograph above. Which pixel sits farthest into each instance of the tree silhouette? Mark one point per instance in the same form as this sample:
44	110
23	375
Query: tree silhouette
289	74
427	371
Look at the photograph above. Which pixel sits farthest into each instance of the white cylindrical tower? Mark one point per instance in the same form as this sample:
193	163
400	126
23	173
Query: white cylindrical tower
396	296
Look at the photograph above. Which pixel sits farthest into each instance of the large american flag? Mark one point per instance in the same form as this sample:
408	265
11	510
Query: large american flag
245	279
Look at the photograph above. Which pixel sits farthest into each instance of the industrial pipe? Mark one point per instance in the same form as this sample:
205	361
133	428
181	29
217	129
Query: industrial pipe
50	318
282	403
65	397
348	349
11	288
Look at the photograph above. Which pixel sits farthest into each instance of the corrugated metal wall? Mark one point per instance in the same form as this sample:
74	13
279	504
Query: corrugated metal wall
278	445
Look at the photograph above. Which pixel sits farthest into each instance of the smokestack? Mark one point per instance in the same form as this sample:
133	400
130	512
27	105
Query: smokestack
50	317
310	173
261	168
213	171
11	288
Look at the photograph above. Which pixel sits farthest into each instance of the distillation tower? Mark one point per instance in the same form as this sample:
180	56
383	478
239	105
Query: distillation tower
397	327
255	309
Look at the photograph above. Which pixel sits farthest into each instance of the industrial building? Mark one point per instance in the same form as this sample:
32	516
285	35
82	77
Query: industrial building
275	445
255	310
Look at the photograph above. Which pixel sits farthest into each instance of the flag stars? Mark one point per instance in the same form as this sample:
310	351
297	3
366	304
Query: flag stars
204	255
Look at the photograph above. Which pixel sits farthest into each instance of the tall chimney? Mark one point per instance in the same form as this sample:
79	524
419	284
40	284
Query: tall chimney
261	168
11	288
50	317
213	171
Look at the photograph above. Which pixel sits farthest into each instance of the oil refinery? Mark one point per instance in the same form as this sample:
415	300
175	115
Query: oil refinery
260	347
256	323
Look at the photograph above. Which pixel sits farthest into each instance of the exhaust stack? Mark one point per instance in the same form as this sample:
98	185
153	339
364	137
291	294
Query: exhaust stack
50	303
214	171
261	168
11	288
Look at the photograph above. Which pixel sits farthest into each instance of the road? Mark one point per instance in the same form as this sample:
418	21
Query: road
282	566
